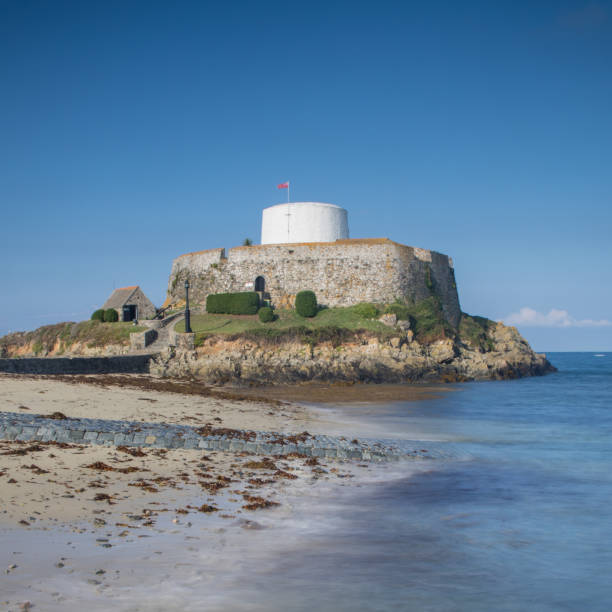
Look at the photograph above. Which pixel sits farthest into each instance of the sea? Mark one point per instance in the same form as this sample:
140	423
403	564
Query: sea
514	515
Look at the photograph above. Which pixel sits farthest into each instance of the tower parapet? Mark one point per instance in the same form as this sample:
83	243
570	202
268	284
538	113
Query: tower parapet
303	222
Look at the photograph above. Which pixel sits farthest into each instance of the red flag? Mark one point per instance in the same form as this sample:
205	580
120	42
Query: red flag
283	185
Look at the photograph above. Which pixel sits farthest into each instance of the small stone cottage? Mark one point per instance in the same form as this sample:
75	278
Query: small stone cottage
130	303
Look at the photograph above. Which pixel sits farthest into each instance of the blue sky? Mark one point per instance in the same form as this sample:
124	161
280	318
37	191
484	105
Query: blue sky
133	132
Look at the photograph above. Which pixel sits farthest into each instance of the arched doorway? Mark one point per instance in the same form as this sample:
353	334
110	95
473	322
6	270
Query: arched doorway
260	284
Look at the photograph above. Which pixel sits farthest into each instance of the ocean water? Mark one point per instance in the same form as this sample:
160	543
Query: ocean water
518	518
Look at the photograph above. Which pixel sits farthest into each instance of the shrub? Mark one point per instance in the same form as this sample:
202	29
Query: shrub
110	315
266	314
366	310
401	311
98	315
475	331
306	303
233	303
428	322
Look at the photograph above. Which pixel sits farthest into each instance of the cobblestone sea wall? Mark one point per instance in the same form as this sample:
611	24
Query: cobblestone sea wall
126	364
341	273
14	426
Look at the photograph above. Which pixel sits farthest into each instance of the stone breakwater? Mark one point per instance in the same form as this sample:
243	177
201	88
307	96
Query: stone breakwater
366	359
57	428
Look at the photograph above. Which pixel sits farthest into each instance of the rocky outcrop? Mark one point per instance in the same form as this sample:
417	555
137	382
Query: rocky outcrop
364	359
58	349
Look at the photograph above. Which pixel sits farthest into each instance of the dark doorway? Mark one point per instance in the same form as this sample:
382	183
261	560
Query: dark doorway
260	284
129	312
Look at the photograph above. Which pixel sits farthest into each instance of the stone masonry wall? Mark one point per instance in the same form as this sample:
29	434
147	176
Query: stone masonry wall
341	273
146	309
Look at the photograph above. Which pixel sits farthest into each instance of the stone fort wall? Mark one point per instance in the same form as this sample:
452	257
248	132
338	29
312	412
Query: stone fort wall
341	273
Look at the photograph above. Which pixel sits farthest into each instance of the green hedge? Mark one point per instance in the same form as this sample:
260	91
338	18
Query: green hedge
233	303
266	314
306	304
110	315
98	315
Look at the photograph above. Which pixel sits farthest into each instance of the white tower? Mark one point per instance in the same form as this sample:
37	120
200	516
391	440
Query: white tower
303	222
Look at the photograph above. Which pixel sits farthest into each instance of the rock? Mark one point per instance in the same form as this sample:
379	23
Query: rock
403	325
361	359
388	319
442	351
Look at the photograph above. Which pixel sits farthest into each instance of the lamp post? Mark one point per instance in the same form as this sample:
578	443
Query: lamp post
187	314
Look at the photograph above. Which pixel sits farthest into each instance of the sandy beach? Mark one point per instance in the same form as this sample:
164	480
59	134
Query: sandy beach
46	483
112	496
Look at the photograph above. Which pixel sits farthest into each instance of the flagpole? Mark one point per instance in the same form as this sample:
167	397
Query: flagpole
288	192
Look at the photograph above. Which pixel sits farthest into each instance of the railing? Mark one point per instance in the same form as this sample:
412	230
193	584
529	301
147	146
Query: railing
161	312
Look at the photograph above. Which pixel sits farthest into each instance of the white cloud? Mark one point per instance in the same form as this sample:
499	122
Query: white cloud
528	317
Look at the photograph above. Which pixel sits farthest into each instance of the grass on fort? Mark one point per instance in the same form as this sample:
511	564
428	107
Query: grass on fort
335	325
338	324
286	319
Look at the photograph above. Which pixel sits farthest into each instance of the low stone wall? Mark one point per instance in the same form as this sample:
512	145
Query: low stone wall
140	340
151	323
127	364
14	426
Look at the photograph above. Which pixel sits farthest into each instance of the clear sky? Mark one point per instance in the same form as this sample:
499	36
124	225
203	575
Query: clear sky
132	132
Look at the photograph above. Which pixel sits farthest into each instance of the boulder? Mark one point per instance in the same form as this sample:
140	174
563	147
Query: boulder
388	319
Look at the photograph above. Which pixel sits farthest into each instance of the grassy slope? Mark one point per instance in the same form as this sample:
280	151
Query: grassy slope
337	324
92	333
331	324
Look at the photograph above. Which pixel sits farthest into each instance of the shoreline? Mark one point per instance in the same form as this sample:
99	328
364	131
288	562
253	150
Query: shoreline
161	567
47	481
51	481
100	508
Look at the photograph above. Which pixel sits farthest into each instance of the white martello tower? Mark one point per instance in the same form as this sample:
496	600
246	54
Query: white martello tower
303	222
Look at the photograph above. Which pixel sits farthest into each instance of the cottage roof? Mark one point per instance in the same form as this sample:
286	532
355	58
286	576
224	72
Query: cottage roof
120	296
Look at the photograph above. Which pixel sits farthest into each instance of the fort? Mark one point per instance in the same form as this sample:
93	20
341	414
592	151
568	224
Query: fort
305	245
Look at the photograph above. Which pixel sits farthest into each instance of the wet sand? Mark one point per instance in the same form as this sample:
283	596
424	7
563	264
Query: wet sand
339	393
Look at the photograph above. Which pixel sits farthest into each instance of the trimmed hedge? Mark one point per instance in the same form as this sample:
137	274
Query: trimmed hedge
266	314
233	303
306	304
98	315
110	315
